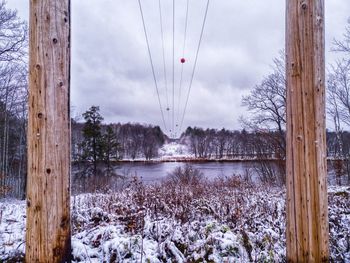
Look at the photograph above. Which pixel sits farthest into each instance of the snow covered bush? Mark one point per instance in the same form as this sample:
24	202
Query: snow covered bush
225	220
186	175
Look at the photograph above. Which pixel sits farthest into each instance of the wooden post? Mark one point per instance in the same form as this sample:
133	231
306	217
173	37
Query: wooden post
307	206
48	188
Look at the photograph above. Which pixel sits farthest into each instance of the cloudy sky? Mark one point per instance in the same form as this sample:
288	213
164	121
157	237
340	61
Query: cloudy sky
110	65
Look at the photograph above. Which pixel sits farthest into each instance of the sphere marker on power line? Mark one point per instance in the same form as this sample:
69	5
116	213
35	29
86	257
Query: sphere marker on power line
176	125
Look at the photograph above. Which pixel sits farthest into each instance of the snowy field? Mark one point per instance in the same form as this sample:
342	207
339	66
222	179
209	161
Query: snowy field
174	150
222	221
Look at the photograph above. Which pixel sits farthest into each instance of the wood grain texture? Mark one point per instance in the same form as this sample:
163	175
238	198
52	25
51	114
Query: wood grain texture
307	206
48	188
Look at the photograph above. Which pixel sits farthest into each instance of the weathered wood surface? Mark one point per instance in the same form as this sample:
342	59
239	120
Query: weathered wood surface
48	189
307	207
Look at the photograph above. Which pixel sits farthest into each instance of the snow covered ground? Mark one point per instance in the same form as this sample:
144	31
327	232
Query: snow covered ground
174	150
222	221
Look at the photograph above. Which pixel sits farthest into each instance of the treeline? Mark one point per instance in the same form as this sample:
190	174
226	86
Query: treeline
226	144
97	144
265	147
336	150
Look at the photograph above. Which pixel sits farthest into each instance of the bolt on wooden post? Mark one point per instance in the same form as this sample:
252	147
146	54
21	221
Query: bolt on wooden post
307	206
48	188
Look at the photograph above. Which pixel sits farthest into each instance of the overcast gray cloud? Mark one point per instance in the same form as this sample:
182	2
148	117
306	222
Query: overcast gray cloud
110	65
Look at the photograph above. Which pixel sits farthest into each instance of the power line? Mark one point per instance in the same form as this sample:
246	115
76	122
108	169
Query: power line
195	63
182	65
164	64
151	61
173	104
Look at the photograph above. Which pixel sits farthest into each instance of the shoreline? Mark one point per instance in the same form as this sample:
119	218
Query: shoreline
193	160
200	160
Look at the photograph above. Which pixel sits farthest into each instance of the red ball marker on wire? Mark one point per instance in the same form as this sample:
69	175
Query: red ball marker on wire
182	60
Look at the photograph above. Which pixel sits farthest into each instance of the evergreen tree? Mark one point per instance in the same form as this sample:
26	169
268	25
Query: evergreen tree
111	147
93	140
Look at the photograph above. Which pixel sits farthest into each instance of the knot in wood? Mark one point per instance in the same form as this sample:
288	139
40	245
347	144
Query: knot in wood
64	222
304	5
57	251
37	208
294	69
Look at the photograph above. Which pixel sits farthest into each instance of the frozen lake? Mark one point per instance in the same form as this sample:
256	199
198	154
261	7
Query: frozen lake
154	172
158	171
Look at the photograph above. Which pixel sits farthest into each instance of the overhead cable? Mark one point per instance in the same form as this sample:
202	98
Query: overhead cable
151	61
195	63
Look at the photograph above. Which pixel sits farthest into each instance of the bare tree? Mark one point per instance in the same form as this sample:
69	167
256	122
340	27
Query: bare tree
13	97
339	92
338	99
338	109
344	44
267	101
267	105
339	83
